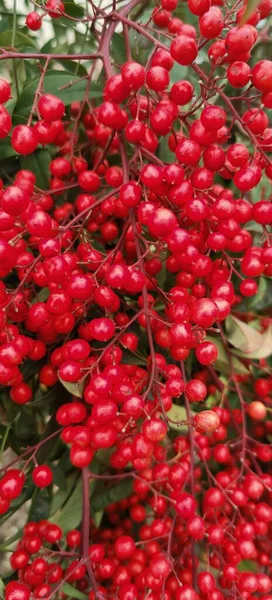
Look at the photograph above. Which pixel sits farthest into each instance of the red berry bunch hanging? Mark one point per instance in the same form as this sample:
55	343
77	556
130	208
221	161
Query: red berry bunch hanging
135	301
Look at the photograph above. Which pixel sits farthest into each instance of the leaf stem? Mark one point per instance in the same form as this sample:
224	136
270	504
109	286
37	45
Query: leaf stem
86	529
2	449
14	23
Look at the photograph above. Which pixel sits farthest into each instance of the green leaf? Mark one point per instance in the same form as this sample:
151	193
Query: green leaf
114	494
223	364
76	389
97	518
73	10
129	358
20	68
48	446
12	409
31	367
177	414
211	401
250	7
49	47
146	14
262	299
262	190
2	587
166	155
6	150
20	39
59	477
118	48
69	517
178	72
69	590
41	296
73	67
7	543
5	23
54	83
10	105
242	336
247	565
60	497
25	425
40	505
102	456
161	276
38	163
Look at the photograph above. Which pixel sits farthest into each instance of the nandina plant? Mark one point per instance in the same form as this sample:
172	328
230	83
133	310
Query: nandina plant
135	301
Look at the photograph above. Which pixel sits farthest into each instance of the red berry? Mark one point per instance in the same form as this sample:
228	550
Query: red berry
199	7
239	74
33	21
157	78
19	559
185	505
182	92
130	194
73	538
206	421
257	410
133	75
21	393
211	23
5	122
188	152
81	457
195	390
102	329
5	91
50	107
184	50
17	591
162	222
124	547
206	353
162	58
74	412
261	76
213	118
42	476
11	485
55	8
89	181
204	312
24	139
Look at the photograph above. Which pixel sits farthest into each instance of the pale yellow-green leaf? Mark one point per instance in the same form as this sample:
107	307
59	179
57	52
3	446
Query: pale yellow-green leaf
264	350
74	388
242	336
177	416
222	364
97	517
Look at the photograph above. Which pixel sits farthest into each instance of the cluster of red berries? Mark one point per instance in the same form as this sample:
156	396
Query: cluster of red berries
52	8
35	561
237	518
12	483
125	247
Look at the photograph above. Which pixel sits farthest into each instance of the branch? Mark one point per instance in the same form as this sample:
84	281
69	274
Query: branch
25	56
